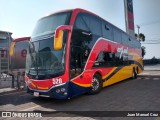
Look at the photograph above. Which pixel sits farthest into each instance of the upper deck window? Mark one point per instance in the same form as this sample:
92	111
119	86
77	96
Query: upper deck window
89	23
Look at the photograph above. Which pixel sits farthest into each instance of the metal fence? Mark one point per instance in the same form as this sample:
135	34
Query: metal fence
4	61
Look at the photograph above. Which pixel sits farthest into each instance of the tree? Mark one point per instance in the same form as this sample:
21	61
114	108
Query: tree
141	39
154	60
143	51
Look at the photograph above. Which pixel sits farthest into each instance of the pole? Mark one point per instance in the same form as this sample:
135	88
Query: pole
12	81
129	17
138	33
18	81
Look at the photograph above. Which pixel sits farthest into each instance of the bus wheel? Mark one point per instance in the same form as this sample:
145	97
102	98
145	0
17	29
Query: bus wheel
96	84
137	70
134	74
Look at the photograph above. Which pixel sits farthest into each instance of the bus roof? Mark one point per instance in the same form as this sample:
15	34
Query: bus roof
21	39
5	32
78	10
71	10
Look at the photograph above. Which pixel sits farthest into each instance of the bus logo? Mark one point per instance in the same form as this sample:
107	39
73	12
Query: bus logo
122	51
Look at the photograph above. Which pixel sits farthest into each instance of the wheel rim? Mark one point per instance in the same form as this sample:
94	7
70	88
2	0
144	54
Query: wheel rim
133	74
95	84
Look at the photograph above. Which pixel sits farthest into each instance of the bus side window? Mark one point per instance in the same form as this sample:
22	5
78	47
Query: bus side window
117	36
111	59
107	30
105	59
125	39
88	23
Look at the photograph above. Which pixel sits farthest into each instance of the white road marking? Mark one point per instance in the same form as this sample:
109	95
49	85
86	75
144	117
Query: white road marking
36	106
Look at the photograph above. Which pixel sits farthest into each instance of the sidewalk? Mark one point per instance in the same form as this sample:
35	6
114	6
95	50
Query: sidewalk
152	67
10	90
7	90
6	83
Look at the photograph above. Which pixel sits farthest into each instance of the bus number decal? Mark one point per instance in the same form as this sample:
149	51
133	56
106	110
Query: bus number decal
57	81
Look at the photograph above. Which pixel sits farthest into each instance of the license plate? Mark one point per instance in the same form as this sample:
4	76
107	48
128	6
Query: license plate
36	94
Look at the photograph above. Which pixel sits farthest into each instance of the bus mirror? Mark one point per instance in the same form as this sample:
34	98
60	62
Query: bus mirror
58	37
58	40
11	49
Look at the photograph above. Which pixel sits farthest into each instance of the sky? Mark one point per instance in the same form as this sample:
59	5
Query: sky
20	16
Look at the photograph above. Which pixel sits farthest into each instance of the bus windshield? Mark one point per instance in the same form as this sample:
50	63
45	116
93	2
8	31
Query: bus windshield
43	61
48	24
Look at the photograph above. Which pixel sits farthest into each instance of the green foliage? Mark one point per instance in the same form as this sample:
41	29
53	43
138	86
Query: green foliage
136	35
143	51
141	39
154	60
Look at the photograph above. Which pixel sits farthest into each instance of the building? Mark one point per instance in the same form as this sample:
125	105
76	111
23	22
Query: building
5	40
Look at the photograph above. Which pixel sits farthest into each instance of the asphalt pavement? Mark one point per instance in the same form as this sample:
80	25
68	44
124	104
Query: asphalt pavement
141	94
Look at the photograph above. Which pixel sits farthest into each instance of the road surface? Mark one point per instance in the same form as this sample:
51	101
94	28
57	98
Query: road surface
141	94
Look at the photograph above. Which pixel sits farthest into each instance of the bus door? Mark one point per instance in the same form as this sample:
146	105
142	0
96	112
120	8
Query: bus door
79	53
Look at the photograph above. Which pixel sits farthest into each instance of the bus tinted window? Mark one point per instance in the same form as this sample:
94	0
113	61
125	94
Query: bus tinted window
117	36
81	24
125	39
89	23
130	42
107	30
111	59
137	44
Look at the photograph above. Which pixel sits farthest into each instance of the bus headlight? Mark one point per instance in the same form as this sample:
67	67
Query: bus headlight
58	91
63	89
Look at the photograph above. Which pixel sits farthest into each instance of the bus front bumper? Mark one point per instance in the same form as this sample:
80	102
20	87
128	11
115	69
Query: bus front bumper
57	92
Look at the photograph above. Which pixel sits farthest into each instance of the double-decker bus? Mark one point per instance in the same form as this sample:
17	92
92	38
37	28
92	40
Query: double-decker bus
75	52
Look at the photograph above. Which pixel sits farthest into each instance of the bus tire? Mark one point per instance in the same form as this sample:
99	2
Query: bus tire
97	84
134	74
137	70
